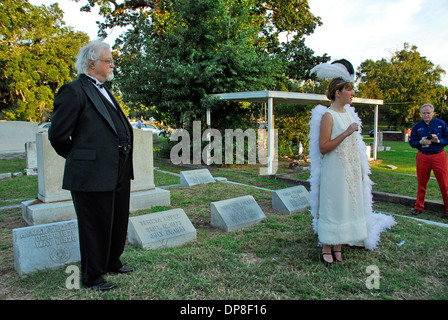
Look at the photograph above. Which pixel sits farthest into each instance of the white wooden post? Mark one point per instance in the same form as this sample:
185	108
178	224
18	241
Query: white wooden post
375	134
270	134
209	148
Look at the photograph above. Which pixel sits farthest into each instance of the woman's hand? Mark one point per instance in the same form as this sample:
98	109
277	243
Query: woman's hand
325	143
351	128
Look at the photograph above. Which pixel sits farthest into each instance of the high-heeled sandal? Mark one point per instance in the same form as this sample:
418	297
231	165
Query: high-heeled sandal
327	263
334	256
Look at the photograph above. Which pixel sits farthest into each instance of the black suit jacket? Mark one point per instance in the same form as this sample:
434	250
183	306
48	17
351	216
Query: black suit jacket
83	132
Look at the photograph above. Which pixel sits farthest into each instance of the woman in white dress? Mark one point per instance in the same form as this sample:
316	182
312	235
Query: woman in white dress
341	217
340	192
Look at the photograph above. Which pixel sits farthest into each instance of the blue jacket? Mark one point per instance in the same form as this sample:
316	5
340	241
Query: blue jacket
421	130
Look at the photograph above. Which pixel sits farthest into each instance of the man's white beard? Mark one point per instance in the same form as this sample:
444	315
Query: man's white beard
110	76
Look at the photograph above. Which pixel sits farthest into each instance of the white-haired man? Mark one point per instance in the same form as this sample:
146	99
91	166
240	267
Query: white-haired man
91	132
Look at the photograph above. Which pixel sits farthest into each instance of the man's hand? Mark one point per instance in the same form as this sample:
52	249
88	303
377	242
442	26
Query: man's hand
425	142
435	139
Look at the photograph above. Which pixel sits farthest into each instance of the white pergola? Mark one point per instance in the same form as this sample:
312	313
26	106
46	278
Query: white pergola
276	97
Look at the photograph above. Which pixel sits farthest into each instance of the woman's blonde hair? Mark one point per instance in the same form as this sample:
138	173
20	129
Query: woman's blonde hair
335	85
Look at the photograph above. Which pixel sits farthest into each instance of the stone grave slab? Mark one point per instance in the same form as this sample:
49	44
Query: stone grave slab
193	177
5	176
31	158
236	213
50	170
46	246
159	230
291	200
143	161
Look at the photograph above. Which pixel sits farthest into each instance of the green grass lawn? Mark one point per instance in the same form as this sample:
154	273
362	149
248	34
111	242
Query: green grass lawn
277	259
401	155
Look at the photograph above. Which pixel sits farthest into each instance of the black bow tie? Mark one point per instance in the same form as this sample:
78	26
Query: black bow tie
98	84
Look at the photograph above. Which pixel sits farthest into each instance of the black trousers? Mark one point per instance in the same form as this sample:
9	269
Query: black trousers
102	224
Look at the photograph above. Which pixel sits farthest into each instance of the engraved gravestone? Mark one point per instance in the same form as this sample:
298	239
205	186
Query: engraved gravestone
291	200
193	177
235	213
45	246
31	158
164	229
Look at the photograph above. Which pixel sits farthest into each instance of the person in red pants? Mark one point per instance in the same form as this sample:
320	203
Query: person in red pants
430	136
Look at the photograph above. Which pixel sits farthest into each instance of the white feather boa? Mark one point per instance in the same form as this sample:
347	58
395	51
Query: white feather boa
376	222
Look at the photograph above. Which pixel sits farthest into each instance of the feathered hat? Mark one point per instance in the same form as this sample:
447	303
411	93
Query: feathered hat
337	69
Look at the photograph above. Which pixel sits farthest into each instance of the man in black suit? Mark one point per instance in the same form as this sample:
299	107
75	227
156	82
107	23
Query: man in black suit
91	132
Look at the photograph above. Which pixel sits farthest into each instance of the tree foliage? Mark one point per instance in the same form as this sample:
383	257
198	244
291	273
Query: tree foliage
404	82
36	57
294	128
196	49
177	53
272	17
298	58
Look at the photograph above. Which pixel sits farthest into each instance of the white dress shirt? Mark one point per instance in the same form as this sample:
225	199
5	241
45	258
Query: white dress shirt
101	88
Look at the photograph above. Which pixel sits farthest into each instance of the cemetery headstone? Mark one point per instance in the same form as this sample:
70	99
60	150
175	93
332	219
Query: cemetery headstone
164	229
193	177
46	246
236	213
50	172
31	158
291	200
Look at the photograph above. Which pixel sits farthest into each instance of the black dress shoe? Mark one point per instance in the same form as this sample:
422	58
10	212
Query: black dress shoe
103	286
123	269
328	264
416	212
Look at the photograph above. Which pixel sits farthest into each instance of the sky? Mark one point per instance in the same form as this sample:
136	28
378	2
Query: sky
356	30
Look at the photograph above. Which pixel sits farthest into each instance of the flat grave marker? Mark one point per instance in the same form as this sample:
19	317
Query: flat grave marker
236	213
46	246
193	177
158	230
291	200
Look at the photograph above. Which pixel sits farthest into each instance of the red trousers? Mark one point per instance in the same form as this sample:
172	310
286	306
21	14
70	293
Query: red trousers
439	165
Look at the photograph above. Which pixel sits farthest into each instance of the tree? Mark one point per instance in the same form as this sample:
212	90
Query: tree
299	59
196	49
177	53
404	82
36	58
272	17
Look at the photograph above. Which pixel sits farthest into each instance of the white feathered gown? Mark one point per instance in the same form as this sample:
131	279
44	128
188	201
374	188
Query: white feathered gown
341	190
